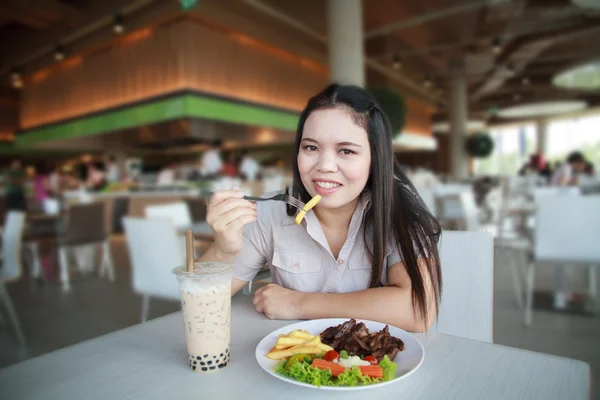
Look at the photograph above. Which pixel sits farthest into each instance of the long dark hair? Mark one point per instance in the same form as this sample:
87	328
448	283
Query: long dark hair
395	204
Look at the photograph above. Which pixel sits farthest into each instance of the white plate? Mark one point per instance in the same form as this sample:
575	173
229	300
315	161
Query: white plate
408	360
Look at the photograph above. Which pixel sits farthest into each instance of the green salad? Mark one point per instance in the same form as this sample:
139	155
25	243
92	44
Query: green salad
302	370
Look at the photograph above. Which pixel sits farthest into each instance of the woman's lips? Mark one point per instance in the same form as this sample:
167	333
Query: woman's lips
325	188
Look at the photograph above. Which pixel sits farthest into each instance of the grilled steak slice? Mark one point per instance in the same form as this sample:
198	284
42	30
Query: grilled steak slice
357	341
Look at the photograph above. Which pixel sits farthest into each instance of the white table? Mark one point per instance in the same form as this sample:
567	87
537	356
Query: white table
149	361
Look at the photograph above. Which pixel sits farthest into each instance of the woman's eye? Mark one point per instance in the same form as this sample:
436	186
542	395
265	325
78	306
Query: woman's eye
346	152
310	148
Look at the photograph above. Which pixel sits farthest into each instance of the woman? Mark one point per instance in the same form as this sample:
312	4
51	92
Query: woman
368	250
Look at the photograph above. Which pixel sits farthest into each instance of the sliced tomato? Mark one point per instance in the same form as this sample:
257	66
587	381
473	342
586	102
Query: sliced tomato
331	355
371	359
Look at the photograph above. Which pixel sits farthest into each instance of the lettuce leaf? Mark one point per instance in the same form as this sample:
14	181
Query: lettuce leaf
389	368
304	372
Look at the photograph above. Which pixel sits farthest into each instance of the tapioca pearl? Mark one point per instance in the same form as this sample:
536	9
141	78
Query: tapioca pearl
209	362
198	358
206	356
204	369
202	363
212	368
222	365
195	362
194	367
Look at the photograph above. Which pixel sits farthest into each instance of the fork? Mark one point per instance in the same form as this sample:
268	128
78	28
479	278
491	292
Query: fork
280	197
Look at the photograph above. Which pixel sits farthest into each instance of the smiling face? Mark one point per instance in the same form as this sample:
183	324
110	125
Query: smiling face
334	159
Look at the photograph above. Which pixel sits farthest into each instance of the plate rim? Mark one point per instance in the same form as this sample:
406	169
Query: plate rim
260	355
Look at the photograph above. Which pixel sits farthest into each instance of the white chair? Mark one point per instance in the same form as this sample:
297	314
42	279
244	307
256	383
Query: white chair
466	307
85	231
428	196
447	196
567	231
178	212
540	193
154	251
12	265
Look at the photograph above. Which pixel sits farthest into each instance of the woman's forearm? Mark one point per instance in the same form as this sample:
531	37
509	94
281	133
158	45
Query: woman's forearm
391	305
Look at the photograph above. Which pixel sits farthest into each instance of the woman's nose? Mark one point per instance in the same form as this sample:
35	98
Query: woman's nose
327	163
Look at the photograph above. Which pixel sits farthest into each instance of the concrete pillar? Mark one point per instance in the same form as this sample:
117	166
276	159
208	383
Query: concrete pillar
541	127
346	49
458	120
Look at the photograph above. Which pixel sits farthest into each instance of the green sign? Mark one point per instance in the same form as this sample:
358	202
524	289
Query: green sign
188	4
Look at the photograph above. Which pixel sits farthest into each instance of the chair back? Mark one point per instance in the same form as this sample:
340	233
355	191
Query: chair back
466	308
448	197
567	229
470	211
12	241
154	251
85	223
178	213
428	196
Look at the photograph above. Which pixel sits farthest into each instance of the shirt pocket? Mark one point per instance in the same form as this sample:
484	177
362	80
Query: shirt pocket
298	271
360	271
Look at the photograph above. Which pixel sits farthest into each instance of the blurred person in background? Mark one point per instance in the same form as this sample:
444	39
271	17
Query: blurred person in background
96	177
211	162
14	187
230	165
249	167
589	169
54	182
167	175
566	174
41	182
112	170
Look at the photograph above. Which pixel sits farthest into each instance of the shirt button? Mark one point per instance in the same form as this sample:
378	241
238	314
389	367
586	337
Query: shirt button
340	262
296	266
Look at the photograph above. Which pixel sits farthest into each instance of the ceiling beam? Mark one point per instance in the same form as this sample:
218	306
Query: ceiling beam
40	14
36	46
415	88
521	52
471	6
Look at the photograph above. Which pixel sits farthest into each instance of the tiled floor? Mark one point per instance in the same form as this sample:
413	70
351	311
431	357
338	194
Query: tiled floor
52	319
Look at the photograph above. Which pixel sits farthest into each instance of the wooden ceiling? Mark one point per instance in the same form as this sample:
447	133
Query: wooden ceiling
536	39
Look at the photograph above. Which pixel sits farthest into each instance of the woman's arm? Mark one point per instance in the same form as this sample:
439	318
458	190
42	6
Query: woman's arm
391	304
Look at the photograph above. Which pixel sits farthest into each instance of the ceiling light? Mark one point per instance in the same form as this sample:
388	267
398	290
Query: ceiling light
542	109
16	79
59	53
397	62
118	26
496	45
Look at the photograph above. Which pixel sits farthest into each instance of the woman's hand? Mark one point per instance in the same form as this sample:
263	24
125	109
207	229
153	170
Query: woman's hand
277	302
227	213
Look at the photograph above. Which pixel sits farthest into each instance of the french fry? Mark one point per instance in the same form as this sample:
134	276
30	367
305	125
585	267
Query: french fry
286	342
297	342
292	351
325	348
301	334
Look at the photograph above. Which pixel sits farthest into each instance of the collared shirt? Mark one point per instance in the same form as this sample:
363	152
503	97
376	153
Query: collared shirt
299	256
565	172
211	162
